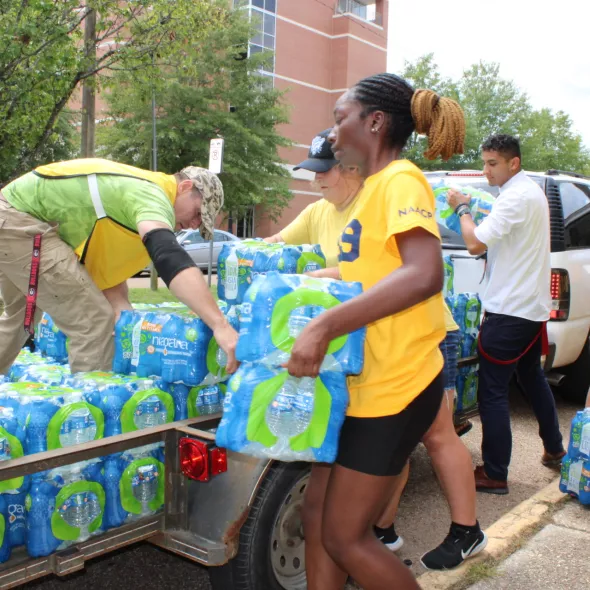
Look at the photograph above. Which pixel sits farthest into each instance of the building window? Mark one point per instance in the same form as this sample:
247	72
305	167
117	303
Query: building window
365	10
263	13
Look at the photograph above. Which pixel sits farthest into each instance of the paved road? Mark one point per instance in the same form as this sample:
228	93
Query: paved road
423	520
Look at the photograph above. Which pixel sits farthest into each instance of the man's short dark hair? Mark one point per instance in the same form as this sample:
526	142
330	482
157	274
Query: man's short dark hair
506	145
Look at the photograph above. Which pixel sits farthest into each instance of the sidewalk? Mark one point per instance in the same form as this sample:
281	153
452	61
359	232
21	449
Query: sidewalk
544	542
556	558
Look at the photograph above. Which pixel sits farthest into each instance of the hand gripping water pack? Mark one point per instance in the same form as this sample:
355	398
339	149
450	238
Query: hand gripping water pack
65	506
579	444
163	345
112	393
23	361
51	341
56	417
134	484
269	414
575	478
277	308
480	205
240	263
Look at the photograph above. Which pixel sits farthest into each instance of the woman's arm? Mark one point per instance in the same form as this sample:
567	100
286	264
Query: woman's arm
325	273
419	278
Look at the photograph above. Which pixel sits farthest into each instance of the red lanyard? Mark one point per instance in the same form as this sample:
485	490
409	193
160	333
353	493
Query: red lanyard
29	324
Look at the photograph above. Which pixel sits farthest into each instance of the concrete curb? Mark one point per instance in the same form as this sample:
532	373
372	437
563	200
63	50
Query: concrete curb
500	535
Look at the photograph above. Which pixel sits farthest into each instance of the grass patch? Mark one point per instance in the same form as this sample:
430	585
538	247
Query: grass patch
162	295
484	570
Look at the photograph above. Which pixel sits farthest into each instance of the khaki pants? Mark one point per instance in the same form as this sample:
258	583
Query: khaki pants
65	291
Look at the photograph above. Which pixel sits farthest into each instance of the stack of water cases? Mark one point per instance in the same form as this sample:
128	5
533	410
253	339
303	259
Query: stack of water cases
266	412
50	341
467	313
239	263
575	468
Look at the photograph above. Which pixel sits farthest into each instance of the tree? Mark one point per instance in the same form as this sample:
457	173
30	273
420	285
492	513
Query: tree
43	59
495	105
195	90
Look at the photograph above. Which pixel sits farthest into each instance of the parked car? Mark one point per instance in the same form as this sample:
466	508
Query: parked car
198	249
568	196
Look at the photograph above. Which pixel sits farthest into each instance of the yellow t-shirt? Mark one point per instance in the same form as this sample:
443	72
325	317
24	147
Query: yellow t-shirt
450	323
402	355
319	223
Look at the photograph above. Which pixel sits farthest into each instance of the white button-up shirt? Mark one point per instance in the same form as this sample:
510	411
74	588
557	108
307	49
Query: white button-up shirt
517	234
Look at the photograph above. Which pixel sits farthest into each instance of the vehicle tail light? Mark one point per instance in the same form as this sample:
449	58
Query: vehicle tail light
200	460
560	295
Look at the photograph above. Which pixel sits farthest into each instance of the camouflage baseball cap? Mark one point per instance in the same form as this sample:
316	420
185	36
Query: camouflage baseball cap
211	190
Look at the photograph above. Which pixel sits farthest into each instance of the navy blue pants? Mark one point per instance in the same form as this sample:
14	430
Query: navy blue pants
505	338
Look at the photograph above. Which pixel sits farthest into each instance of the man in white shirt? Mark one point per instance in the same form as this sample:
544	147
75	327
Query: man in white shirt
517	302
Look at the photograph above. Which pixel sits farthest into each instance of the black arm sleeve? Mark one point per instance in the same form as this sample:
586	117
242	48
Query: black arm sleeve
168	256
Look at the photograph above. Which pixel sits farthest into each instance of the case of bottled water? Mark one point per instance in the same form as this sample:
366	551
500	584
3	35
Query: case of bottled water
47	374
277	308
269	414
56	417
65	506
147	408
17	522
134	483
466	309
480	205
164	345
579	444
5	546
24	361
50	341
12	443
449	276
466	385
111	393
575	478
241	262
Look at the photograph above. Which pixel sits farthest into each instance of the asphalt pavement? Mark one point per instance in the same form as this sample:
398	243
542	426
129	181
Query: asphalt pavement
423	518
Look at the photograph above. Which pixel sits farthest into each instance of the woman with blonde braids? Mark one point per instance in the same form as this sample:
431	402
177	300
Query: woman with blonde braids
392	245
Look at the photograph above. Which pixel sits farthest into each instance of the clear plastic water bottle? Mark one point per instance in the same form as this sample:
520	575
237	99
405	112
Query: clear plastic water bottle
221	358
79	510
150	412
211	402
303	406
298	319
145	486
279	414
79	428
231	276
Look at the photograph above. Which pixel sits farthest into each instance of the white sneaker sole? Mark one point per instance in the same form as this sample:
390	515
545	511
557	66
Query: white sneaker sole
395	546
473	553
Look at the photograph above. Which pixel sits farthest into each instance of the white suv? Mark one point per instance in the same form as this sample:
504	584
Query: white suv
568	195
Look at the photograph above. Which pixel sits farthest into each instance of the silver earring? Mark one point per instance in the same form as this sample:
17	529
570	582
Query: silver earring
375	130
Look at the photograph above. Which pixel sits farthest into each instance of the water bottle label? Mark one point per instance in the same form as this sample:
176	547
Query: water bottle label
575	475
281	403
148	407
304	403
210	396
298	319
144	474
585	440
75	423
76	510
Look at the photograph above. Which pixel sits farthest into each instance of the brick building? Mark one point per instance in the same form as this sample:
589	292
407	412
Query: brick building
322	47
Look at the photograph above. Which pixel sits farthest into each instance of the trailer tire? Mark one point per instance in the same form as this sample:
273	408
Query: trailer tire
271	546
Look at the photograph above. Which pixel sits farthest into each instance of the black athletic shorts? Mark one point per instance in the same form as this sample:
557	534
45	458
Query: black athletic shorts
382	446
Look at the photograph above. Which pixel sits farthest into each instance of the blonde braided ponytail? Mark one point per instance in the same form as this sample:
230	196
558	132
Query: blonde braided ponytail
442	120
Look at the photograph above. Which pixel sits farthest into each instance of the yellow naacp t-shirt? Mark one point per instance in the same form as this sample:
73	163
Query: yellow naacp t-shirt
319	223
402	355
450	323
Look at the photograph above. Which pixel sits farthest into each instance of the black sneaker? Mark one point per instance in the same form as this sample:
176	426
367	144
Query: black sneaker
459	545
389	537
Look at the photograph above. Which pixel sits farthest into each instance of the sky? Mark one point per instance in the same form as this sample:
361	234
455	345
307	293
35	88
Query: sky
544	47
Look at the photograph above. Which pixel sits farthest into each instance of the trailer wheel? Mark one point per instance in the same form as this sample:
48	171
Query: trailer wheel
271	552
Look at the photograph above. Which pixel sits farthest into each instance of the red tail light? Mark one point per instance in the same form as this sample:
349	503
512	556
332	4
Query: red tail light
560	294
200	460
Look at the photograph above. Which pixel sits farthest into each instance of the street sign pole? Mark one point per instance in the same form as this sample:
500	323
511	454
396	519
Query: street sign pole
215	166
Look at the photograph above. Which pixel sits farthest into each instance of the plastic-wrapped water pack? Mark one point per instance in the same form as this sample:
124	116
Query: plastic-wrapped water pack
65	506
24	361
163	345
269	414
481	205
50	341
239	263
467	313
134	484
276	309
48	374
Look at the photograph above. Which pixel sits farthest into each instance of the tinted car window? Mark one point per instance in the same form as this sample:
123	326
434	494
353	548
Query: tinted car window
219	237
574	196
192	238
